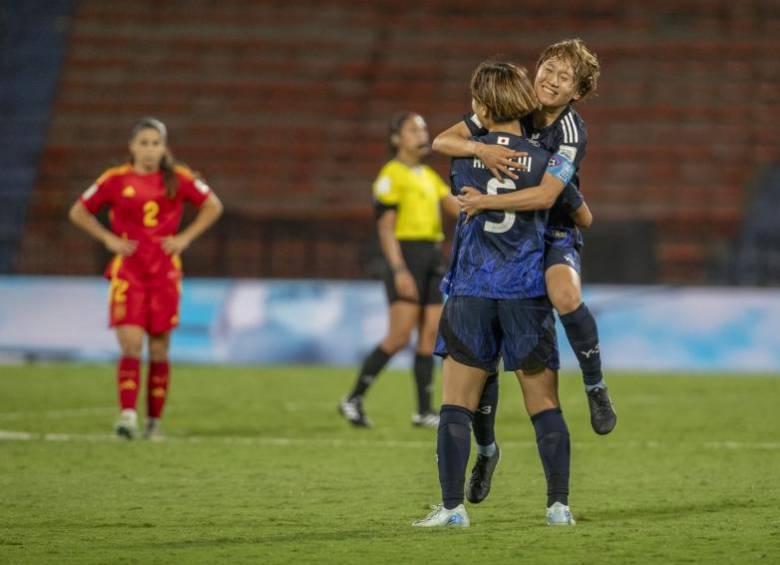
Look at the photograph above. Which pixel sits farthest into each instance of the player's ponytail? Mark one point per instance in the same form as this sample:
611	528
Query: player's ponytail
168	170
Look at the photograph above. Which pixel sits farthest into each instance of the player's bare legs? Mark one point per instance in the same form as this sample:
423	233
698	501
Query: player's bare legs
131	341
540	394
565	292
403	318
158	380
423	366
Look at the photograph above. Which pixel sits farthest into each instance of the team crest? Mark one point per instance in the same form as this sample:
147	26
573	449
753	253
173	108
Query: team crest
128	191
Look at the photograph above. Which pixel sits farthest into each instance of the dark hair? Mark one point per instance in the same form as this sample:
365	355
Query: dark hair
168	162
396	123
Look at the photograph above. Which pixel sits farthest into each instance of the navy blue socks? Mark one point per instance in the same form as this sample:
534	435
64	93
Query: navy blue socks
485	417
552	439
453	448
583	334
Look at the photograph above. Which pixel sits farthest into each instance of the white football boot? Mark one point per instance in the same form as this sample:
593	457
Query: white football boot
559	515
440	517
127	424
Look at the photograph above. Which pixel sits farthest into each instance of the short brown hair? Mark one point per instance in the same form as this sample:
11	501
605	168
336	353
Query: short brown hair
504	89
583	61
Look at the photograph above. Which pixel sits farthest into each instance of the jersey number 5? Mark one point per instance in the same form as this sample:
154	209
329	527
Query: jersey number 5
151	209
509	217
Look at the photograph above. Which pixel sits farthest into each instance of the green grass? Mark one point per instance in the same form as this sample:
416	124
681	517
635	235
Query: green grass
259	468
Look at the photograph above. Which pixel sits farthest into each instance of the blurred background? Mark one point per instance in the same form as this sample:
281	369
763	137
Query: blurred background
283	107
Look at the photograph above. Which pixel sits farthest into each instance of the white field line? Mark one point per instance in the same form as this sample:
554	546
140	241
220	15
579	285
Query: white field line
65	413
10	435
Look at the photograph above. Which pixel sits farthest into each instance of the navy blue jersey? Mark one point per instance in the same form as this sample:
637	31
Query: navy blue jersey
565	136
499	254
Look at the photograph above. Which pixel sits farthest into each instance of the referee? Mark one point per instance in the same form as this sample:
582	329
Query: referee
408	197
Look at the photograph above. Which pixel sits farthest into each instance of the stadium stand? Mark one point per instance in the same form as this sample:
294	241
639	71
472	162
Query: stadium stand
283	107
32	36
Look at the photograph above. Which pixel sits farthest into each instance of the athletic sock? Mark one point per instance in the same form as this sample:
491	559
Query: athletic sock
552	439
583	334
157	387
485	416
128	380
487	450
453	448
423	379
372	365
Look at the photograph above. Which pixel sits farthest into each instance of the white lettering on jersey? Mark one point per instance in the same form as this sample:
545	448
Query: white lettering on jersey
478	164
524	163
202	186
90	192
476	121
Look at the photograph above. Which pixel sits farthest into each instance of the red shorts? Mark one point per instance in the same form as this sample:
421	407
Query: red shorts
149	302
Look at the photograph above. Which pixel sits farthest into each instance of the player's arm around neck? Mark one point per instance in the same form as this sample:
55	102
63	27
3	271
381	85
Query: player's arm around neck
456	142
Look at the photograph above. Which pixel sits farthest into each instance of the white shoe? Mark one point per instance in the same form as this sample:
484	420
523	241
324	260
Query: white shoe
443	518
559	515
152	430
127	424
426	420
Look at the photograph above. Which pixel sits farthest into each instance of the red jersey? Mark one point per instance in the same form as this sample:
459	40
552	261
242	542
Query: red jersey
140	211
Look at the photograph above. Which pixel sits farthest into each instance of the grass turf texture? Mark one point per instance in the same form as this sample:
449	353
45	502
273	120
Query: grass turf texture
258	468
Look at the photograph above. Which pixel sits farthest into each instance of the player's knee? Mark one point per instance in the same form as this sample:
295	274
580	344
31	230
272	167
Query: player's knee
566	300
131	347
395	343
158	350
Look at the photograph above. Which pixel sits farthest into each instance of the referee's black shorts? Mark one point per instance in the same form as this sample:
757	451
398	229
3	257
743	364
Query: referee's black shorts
426	264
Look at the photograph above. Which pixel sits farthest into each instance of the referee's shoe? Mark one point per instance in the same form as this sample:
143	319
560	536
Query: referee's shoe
352	410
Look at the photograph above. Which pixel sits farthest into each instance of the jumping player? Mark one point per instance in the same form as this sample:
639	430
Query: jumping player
408	197
566	72
497	305
145	198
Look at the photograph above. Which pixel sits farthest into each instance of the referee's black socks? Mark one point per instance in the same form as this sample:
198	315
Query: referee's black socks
372	366
423	379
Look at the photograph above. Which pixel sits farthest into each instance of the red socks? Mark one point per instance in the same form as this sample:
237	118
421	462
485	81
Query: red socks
128	381
157	387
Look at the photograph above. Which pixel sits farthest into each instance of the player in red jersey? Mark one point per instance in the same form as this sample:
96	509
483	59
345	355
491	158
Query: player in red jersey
146	199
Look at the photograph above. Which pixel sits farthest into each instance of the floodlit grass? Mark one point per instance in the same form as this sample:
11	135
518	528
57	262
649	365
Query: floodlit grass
259	468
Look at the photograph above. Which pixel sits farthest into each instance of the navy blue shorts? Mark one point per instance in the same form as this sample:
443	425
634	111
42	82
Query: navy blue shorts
568	256
478	331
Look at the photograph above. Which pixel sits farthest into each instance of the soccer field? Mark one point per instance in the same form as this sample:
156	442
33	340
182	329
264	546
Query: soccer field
259	468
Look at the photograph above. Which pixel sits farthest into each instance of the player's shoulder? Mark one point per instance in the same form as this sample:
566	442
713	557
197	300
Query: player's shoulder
114	172
392	169
183	171
572	127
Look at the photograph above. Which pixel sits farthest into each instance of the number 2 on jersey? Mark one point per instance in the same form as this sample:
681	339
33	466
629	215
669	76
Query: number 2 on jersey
509	217
151	209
